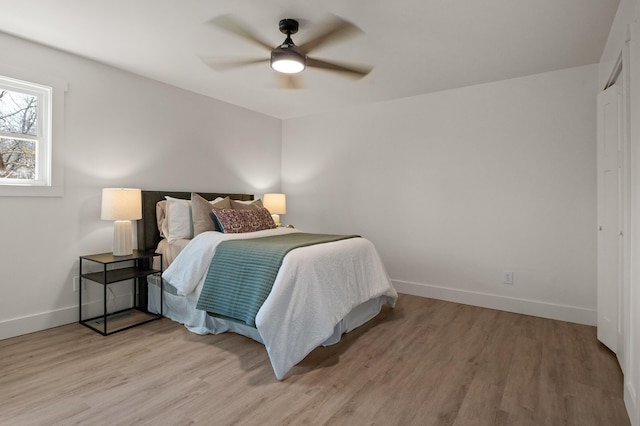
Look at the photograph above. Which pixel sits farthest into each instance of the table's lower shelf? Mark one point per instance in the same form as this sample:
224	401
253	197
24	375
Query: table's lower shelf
119	321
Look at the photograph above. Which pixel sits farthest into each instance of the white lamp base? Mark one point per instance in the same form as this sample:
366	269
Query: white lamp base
122	240
276	219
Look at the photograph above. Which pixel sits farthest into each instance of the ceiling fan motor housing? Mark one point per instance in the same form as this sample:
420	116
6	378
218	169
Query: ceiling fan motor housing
288	26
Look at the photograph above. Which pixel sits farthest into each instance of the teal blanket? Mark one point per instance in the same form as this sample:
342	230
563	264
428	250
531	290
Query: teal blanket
242	273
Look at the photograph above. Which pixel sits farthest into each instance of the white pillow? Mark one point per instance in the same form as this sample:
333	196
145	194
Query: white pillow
179	223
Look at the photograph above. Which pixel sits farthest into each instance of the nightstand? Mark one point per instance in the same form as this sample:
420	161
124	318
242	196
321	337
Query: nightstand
136	267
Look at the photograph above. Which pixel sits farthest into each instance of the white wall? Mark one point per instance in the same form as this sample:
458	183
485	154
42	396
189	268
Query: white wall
458	186
121	130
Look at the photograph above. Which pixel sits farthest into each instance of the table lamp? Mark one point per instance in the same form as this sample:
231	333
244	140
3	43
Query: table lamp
276	204
121	205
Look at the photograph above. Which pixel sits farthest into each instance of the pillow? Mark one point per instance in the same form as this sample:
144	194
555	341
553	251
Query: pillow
245	205
161	217
201	213
179	224
234	221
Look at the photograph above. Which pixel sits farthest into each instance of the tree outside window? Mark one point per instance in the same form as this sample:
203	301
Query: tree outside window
25	145
18	114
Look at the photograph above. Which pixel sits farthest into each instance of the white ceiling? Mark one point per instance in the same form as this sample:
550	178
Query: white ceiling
416	46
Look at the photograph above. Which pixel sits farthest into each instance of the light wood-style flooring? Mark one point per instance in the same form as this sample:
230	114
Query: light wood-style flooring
426	362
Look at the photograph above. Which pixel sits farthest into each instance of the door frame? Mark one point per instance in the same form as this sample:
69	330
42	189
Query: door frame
620	75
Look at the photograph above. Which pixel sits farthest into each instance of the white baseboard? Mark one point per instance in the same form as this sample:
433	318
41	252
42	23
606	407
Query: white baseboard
503	303
42	321
32	323
630	402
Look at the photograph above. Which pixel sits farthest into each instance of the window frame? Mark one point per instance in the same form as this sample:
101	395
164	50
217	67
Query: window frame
43	137
56	126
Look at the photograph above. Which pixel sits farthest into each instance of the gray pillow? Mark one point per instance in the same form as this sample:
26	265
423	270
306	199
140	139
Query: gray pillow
201	213
246	205
161	216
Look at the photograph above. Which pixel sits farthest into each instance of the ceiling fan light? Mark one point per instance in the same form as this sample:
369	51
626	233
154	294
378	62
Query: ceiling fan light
287	66
287	61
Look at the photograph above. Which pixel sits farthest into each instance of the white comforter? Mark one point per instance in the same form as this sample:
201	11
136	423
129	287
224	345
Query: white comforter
316	287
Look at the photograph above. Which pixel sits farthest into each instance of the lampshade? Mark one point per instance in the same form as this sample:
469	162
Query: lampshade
121	205
287	60
275	203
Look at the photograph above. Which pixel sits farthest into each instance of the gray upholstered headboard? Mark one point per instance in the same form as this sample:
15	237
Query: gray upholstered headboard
148	234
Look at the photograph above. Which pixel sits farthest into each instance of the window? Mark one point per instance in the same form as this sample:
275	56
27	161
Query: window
25	133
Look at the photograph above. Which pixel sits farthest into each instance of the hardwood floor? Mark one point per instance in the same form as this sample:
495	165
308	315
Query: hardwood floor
427	362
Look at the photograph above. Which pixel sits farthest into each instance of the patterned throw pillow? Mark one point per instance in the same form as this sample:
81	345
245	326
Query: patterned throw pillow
233	221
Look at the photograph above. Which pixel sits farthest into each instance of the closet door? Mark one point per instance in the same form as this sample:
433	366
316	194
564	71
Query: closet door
610	237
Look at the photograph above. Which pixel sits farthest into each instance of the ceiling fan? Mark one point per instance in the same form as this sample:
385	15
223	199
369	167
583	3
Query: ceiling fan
289	58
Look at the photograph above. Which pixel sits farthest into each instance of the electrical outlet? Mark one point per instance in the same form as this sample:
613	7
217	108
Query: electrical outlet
507	277
76	284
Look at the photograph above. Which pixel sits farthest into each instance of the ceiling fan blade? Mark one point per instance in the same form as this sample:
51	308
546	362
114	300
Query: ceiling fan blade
353	70
233	26
290	81
224	65
333	30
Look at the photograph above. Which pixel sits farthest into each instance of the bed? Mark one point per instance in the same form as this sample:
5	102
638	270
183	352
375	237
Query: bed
320	291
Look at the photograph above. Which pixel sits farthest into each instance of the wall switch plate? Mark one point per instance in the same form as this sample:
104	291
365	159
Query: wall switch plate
507	277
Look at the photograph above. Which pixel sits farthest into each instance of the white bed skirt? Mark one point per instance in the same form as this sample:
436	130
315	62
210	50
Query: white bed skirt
183	310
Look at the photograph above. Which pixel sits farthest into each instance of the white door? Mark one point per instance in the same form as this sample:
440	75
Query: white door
609	214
